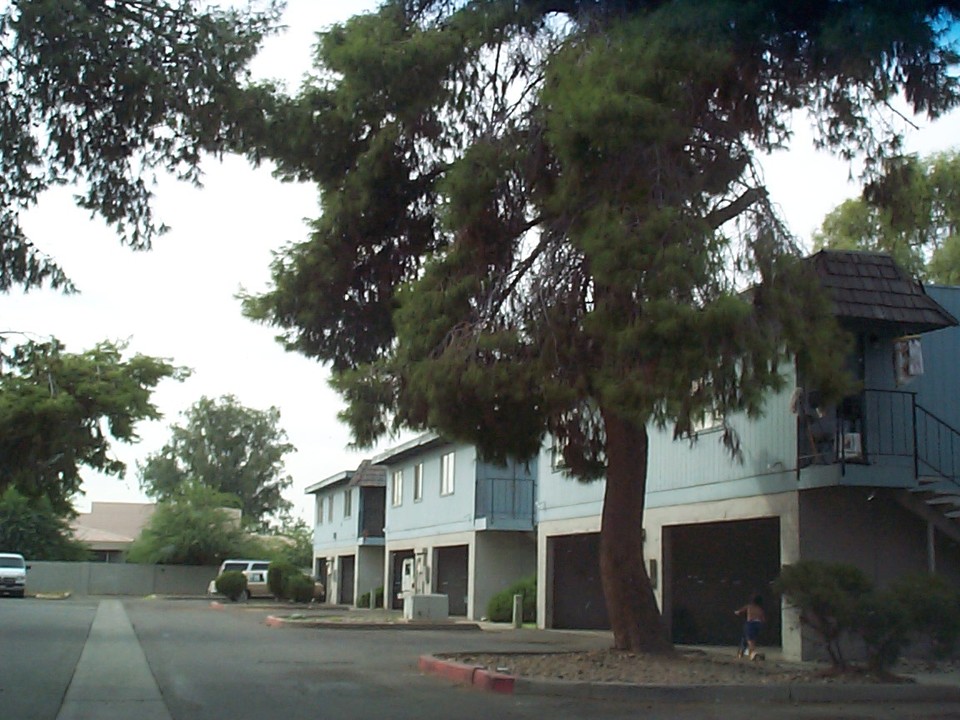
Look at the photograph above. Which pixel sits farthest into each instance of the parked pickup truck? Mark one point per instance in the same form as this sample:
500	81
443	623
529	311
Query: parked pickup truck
13	574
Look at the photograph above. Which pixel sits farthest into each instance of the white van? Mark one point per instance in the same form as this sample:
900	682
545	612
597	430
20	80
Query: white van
256	572
13	574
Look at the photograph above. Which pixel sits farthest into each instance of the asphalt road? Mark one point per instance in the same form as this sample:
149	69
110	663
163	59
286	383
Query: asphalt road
210	664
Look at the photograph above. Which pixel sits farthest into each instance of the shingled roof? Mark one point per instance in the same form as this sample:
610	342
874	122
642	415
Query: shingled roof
871	287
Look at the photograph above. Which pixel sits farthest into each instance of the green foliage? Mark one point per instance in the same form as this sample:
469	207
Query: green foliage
193	528
297	587
912	212
364	599
540	217
228	448
828	596
104	95
277	575
883	624
232	584
293	543
35	530
932	607
59	411
500	607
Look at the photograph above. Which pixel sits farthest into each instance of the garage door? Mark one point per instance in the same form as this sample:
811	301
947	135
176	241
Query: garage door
452	576
715	568
347	568
577	592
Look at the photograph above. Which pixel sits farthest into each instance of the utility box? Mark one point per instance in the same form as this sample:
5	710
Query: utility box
426	607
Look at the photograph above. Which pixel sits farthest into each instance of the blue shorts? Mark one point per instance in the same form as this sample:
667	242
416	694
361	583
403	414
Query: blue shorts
751	630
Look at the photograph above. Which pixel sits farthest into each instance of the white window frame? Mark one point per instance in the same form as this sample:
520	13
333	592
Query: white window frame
347	502
418	482
396	488
447	473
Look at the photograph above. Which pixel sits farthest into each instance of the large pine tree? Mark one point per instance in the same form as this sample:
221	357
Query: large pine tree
541	217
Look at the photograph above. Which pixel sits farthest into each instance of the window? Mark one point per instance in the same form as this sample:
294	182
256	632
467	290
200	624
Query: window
319	510
397	487
446	474
418	482
711	419
330	509
557	463
347	502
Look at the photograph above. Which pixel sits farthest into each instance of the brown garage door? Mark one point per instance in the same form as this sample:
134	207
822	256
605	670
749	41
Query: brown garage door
577	592
347	566
452	576
715	568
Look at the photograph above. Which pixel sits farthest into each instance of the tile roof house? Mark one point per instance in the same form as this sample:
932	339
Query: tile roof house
111	527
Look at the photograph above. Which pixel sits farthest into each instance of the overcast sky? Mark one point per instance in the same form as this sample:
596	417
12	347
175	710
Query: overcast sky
178	300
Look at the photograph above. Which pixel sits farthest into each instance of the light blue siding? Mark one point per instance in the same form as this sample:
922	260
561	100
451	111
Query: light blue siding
341	530
434	514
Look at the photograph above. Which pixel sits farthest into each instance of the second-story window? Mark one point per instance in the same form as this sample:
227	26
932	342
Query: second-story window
397	487
319	509
347	502
418	482
330	509
446	474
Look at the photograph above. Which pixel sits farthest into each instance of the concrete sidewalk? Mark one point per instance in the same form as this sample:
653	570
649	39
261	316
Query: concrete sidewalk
112	680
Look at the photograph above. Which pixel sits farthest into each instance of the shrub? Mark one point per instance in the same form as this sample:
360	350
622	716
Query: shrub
364	600
828	596
297	587
932	607
276	578
883	623
500	607
232	583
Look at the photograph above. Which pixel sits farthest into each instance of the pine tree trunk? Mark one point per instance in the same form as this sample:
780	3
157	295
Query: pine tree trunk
631	605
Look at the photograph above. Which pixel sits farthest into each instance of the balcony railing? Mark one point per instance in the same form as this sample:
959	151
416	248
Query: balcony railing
876	426
505	502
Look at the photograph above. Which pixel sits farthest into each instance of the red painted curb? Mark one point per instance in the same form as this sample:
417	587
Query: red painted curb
493	681
216	605
273	621
479	677
427	663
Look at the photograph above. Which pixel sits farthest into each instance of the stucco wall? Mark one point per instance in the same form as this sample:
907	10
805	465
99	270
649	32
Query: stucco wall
502	558
86	578
863	527
369	569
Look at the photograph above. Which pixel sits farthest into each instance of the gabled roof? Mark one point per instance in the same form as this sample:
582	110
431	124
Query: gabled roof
871	287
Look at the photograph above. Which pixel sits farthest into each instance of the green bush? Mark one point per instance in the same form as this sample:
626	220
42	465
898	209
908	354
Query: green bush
500	607
932	607
232	584
882	622
297	587
276	578
364	600
828	596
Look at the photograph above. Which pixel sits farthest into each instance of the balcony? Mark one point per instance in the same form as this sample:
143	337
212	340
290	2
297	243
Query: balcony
504	503
886	430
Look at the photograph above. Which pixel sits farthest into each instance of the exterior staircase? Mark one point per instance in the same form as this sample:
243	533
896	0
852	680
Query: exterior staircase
936	462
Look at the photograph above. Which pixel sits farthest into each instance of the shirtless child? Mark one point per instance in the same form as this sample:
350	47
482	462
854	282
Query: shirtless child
755	617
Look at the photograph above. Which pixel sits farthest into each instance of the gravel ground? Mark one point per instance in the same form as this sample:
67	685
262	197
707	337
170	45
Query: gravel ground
685	667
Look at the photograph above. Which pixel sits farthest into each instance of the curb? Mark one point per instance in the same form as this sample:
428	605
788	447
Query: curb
280	621
474	675
483	679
